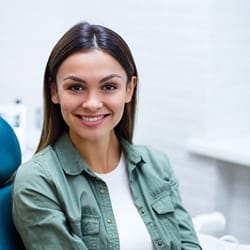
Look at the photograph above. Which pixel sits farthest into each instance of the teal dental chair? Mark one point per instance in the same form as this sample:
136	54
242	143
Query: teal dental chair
10	159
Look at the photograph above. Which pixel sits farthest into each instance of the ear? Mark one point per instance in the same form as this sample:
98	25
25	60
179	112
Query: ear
130	89
54	93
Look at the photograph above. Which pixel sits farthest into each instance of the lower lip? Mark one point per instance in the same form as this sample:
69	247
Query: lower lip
92	123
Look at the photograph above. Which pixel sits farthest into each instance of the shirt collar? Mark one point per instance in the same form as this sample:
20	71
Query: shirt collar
132	152
69	157
73	164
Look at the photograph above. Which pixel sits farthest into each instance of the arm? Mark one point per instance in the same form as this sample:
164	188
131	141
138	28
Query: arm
189	238
38	215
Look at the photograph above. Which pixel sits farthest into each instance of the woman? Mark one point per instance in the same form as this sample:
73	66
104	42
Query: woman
88	186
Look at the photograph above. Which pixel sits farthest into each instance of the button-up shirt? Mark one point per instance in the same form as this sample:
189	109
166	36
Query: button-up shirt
59	203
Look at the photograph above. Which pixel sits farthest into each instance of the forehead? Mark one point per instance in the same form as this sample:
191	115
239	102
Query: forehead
88	62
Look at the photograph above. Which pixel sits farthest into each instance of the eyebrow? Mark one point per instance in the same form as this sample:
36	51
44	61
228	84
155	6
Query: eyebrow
104	79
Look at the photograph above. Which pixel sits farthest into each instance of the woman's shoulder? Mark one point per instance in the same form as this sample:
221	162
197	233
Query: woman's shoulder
156	161
150	150
151	153
37	166
40	158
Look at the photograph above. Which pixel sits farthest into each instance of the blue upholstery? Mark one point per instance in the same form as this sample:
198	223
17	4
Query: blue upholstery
10	159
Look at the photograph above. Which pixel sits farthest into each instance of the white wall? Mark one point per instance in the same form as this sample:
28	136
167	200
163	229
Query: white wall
193	60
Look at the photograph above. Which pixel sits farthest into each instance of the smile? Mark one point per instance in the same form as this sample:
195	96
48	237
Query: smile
92	118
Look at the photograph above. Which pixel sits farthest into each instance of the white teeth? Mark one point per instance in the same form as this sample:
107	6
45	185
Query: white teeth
92	119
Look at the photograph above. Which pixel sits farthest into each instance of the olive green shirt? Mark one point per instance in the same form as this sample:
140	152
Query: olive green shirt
58	203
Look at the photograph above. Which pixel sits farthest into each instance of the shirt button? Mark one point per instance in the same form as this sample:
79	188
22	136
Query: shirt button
159	243
109	221
101	190
142	211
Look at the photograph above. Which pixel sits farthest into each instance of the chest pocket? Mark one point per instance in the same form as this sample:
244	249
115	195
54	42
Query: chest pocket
163	205
164	211
90	227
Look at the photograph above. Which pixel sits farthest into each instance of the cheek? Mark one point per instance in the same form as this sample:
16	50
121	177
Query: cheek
118	105
68	104
118	101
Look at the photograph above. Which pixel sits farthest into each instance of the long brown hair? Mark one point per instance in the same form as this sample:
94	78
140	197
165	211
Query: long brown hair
84	36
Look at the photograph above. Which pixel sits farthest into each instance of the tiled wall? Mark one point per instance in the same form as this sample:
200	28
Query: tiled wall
193	60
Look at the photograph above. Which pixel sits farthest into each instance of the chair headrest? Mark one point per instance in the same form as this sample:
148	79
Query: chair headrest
10	151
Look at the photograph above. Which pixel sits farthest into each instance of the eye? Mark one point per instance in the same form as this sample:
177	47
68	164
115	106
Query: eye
76	88
109	87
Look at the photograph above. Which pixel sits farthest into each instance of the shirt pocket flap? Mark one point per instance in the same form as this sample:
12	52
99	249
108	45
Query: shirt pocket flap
163	205
90	224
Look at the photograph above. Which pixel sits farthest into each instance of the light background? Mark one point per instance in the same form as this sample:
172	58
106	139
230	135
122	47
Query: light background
193	59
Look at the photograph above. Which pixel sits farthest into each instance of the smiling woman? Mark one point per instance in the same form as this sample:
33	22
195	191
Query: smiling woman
87	175
92	89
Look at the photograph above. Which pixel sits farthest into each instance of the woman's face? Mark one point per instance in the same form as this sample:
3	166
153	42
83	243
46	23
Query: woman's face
91	90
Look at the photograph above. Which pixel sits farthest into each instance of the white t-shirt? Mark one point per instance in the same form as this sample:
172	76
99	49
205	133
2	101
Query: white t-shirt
133	234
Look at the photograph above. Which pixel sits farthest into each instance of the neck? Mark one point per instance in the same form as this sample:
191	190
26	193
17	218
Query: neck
101	156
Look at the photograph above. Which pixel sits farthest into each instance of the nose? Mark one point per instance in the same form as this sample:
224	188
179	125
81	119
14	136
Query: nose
92	102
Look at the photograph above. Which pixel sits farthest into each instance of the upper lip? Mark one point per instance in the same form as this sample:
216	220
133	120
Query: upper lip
95	115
